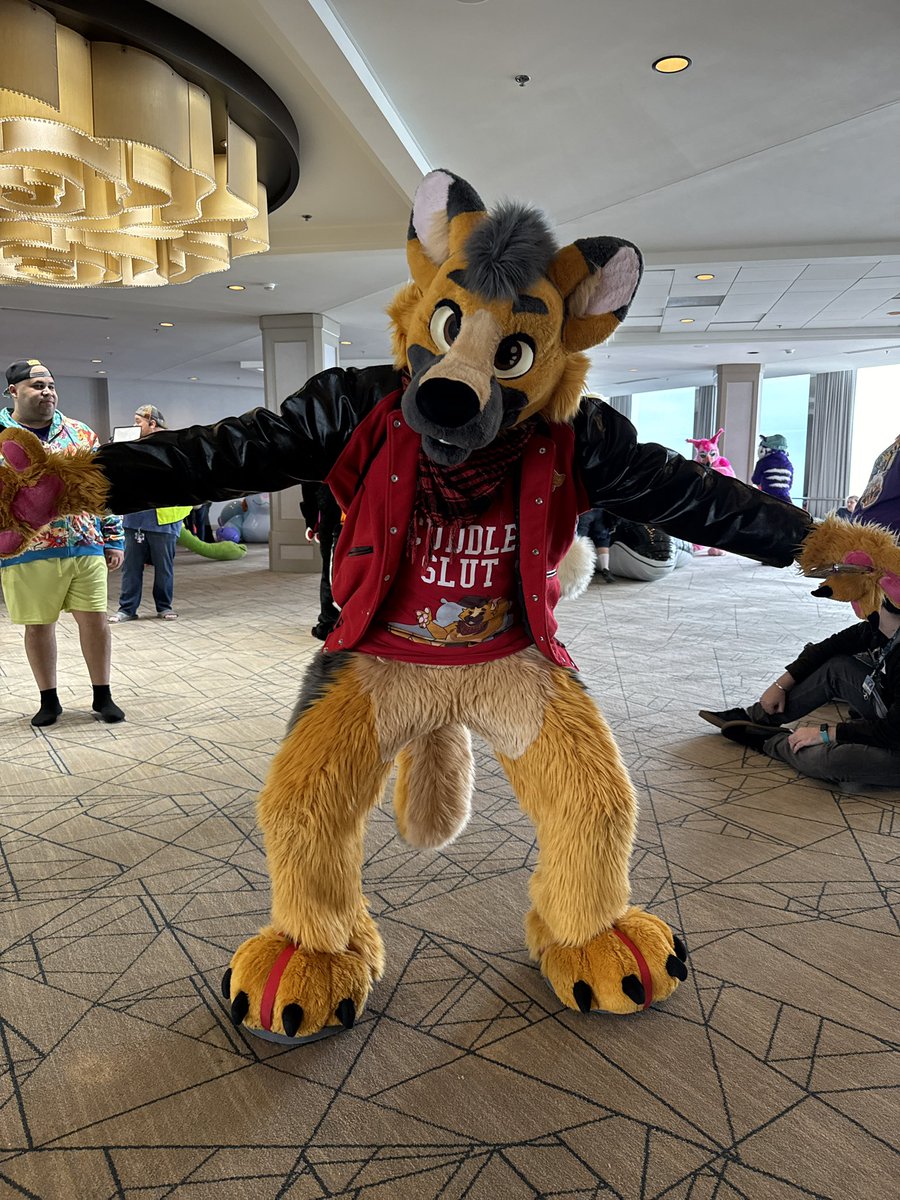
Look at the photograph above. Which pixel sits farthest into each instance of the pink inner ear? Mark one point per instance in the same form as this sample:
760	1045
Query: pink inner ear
429	215
618	280
859	558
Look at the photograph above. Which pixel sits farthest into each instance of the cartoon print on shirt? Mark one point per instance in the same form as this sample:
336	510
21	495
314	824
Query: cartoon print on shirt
476	619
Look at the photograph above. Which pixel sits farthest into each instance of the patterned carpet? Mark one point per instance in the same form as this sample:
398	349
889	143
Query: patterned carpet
131	868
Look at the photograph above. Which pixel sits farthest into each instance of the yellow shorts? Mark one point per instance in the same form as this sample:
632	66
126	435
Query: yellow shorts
37	592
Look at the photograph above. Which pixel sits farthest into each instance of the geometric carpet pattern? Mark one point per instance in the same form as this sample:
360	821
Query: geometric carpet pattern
131	867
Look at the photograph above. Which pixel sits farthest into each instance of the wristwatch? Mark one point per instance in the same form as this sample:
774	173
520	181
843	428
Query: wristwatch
823	733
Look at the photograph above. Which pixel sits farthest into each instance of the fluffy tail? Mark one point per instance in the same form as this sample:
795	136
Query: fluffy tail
577	569
433	791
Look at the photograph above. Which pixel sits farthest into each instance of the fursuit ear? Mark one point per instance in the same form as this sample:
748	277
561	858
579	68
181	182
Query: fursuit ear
597	278
445	211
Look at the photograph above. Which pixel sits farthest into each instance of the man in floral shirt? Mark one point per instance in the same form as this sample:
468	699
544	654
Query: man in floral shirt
66	569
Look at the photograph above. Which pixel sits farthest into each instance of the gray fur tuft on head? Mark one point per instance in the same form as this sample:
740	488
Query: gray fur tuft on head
508	252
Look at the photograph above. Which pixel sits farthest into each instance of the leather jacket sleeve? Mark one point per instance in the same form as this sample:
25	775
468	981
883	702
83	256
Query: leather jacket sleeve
653	485
261	451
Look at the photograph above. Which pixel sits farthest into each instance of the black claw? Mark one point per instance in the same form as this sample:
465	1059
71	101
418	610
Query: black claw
824	591
676	968
346	1013
239	1007
680	947
584	997
633	989
226	984
291	1019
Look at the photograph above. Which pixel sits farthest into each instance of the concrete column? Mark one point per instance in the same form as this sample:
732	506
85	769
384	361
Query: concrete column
737	410
295	347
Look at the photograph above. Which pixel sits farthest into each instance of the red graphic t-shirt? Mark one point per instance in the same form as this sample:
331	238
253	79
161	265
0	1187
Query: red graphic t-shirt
461	604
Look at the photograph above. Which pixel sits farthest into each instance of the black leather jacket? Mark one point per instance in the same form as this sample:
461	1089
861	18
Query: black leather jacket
266	451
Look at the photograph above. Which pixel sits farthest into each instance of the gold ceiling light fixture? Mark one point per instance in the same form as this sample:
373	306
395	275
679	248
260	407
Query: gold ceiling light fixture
672	64
704	276
134	150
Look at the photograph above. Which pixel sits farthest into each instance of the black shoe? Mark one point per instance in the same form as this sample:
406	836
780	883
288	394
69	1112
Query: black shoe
606	575
745	733
721	719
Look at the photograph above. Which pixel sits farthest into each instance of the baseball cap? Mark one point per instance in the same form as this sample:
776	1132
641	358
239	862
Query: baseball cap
151	413
25	369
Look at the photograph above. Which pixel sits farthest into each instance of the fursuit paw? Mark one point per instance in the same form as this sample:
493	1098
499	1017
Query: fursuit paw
623	970
287	994
858	563
36	487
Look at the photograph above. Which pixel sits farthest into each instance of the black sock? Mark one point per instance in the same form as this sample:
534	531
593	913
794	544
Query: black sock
49	710
104	706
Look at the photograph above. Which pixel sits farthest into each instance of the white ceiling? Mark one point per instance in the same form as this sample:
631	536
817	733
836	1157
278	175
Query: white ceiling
772	164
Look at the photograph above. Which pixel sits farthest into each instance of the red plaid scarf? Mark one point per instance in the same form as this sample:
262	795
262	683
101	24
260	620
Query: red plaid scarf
452	497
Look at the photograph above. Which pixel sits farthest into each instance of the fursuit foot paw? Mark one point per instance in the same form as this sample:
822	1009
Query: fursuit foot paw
284	993
622	970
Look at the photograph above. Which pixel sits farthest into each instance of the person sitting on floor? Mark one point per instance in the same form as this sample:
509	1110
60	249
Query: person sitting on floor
598	526
859	666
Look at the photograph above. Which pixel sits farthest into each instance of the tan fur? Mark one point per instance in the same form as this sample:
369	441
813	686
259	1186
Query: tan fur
574	786
832	540
400	311
84	487
433	790
471	357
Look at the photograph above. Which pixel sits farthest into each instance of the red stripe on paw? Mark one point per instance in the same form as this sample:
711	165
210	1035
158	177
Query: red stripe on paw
267	1006
646	977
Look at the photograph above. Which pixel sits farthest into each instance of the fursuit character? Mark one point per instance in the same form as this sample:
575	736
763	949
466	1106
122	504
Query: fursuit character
774	471
708	454
461	470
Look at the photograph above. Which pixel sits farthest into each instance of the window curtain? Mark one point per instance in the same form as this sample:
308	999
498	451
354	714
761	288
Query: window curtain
828	440
621	404
705	411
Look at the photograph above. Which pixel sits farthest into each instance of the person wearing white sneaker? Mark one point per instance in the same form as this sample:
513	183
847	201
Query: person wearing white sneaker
150	537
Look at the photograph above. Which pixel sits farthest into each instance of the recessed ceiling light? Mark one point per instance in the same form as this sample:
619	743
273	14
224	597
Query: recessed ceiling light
753	352
345	343
193	378
671	64
260	368
101	372
236	287
167	324
706	275
96	360
686	321
895	312
705	346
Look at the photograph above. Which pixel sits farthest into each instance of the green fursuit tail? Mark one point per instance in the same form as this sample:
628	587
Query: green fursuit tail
218	550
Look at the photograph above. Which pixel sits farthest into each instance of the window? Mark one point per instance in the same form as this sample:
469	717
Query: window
784	409
876	420
665	417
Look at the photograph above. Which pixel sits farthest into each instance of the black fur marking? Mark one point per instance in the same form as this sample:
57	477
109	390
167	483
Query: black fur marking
508	252
634	989
680	947
462	198
458	276
824	591
513	403
524	303
583	996
226	985
320	674
420	359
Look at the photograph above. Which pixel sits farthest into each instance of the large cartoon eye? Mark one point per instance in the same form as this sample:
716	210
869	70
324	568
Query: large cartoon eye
514	356
445	323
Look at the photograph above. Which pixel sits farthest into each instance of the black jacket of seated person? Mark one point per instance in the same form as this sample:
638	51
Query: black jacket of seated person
861	639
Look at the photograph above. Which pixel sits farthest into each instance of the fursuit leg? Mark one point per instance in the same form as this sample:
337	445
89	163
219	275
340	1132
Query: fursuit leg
596	950
433	790
313	966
